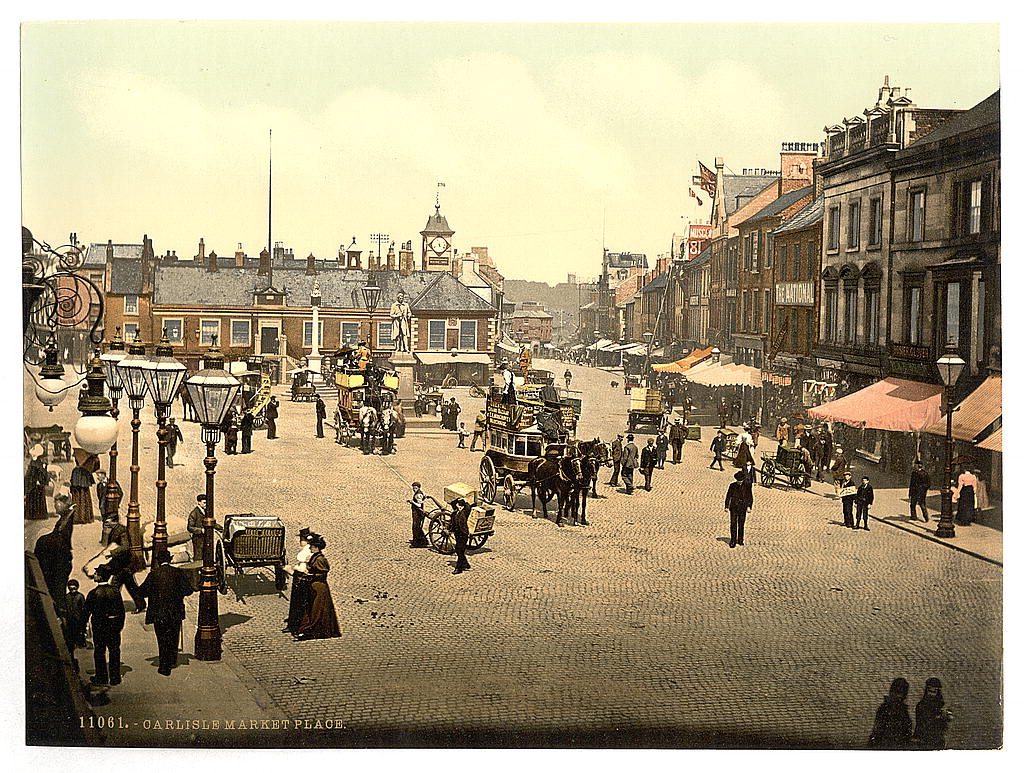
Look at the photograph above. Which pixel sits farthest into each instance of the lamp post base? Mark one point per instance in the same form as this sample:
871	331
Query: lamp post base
945	528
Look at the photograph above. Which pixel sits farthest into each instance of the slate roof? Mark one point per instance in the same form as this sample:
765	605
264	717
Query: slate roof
96	254
532	314
780	204
657	283
192	285
126	277
739	189
809	215
984	113
437	223
627	260
700	260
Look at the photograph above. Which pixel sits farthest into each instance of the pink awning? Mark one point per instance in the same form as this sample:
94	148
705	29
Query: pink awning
728	374
993	442
892	404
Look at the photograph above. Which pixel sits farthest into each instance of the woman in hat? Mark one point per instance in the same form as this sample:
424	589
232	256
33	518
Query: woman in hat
320	620
299	601
36	480
82	482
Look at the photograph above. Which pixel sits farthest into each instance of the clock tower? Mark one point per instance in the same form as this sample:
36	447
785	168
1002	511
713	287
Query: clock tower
437	243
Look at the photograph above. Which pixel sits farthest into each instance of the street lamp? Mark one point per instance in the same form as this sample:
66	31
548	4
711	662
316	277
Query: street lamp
716	354
371	297
950	366
51	388
110	358
212	391
163	376
133	381
96	430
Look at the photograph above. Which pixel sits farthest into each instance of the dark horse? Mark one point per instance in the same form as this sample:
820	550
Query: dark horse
593	455
556	475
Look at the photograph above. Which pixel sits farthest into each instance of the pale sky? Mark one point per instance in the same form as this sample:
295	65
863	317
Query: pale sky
550	139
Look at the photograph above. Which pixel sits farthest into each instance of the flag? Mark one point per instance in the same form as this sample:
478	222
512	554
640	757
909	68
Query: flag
708	181
695	196
440	185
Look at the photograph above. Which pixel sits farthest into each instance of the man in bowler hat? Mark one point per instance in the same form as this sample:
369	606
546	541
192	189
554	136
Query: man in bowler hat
738	499
166	587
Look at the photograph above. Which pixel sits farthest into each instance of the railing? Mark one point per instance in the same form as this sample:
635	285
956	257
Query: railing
879	131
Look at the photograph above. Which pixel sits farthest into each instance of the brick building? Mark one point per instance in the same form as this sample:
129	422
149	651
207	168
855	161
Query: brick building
531	323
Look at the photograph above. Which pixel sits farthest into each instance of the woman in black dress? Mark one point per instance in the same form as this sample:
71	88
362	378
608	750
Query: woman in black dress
320	620
931	718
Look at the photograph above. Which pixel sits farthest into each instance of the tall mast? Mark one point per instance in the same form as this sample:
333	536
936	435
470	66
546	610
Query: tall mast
270	202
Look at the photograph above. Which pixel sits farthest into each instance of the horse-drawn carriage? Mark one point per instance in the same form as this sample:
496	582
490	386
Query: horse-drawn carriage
371	386
530	445
254	395
647	408
788	462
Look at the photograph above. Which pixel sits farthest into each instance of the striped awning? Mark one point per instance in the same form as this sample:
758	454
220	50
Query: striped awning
993	442
727	375
976	413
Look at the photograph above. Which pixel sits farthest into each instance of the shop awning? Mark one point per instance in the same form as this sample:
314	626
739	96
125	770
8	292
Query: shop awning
893	404
684	364
976	413
993	442
440	358
576	348
727	375
508	346
635	349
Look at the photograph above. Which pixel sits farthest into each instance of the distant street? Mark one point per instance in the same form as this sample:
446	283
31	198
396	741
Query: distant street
645	622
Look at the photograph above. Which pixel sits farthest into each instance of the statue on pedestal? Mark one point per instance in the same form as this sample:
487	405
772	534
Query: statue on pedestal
401	322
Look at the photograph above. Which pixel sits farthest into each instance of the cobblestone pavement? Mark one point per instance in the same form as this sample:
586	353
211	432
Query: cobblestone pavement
644	628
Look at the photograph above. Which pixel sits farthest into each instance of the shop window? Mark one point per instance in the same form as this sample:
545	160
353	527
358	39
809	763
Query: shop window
436	334
350	333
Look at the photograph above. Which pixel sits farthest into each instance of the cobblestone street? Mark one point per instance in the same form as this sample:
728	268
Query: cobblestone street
643	628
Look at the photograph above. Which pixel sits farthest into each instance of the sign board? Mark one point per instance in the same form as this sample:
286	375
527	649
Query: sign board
794	293
700	236
504	416
911	352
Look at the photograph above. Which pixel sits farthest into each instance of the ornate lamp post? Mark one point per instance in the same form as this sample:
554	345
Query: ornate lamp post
371	297
163	376
96	430
51	388
110	358
950	367
212	391
132	368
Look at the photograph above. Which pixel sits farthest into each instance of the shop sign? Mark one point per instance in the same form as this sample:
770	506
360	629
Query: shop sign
911	352
794	293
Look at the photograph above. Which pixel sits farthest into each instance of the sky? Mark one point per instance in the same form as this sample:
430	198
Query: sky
552	140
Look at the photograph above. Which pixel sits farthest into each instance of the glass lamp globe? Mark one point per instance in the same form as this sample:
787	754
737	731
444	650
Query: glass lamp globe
51	388
96	434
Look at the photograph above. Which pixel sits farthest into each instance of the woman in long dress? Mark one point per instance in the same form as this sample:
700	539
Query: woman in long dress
320	620
36	480
82	482
299	601
964	497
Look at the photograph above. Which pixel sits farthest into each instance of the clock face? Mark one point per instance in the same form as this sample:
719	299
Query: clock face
438	244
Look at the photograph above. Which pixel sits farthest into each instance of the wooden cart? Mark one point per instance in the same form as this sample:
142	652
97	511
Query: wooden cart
788	462
439	520
647	408
251	540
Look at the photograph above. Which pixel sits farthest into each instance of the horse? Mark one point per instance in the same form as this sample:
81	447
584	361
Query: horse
550	476
593	455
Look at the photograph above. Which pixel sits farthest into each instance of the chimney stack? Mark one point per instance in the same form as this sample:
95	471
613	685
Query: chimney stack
201	257
310	265
211	264
239	257
264	269
372	262
391	257
341	256
406	259
355	259
110	250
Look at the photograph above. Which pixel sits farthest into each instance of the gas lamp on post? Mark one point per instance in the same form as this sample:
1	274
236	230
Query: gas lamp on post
950	367
132	369
110	358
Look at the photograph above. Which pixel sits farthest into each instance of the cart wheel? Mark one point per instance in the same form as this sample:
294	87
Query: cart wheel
799	480
220	561
449	382
488	479
476	541
509	493
477	391
259	421
439	535
280	577
768	474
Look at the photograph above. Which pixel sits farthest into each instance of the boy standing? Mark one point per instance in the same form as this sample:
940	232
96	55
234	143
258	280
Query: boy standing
463	434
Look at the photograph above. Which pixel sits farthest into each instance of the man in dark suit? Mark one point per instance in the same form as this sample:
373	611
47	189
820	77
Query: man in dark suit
166	588
865	498
919	485
460	528
106	609
648	460
630	461
245	425
677	436
738	499
717	448
321	414
271	414
616	452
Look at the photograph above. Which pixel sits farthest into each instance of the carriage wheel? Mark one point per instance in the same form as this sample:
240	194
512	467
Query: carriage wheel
488	479
476	541
259	421
799	480
477	391
439	535
509	493
280	577
768	474
449	382
220	561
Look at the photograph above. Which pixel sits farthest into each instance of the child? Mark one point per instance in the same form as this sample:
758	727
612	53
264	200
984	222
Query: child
463	434
74	621
865	498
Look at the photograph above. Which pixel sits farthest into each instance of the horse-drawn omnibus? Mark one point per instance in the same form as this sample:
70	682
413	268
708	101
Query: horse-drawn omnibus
372	386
